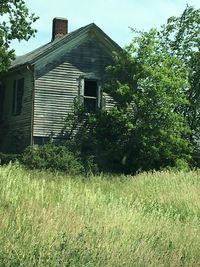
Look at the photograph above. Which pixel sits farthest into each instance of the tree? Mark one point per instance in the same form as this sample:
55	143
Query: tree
181	37
148	85
146	129
16	24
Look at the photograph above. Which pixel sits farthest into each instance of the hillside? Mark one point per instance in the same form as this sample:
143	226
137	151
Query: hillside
152	219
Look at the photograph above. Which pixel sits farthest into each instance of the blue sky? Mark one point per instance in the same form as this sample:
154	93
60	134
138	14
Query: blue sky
114	17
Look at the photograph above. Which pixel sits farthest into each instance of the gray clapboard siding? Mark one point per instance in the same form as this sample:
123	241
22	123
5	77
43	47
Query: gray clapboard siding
53	76
18	128
56	86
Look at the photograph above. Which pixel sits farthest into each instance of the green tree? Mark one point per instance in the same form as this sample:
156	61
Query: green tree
148	85
146	129
15	24
181	37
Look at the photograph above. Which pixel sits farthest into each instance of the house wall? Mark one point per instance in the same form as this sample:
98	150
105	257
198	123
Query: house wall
15	131
57	84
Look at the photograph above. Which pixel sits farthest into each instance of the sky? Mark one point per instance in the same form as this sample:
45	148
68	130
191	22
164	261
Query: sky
114	17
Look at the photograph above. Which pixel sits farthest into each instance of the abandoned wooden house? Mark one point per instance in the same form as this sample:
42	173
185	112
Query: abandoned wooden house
38	91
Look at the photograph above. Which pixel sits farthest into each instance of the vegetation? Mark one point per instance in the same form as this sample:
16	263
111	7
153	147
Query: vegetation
148	85
155	85
181	37
17	25
151	219
147	127
52	157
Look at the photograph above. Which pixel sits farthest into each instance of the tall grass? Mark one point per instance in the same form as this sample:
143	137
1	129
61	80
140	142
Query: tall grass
152	219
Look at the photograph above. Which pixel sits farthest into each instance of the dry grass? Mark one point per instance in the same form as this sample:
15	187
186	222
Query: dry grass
152	219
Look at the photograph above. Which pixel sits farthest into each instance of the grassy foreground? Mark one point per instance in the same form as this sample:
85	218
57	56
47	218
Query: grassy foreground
152	219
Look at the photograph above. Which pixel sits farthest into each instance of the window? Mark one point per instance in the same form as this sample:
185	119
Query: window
91	96
40	140
1	100
18	90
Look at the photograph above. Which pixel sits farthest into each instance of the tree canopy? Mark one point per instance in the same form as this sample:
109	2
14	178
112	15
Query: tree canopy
148	85
147	128
181	37
15	24
155	82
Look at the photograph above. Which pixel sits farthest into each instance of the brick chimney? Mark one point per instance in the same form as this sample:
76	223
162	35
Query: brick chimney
59	27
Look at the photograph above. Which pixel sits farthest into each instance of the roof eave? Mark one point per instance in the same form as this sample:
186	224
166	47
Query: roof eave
52	46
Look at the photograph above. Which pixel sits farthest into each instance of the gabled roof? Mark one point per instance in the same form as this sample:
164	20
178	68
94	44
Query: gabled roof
32	57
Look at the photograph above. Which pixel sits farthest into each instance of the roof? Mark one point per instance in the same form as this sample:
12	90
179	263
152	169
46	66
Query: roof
35	55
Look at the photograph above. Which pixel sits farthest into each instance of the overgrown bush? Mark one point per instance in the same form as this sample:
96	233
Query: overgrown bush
52	157
114	145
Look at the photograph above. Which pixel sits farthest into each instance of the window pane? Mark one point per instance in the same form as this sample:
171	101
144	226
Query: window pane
39	140
1	101
90	104
18	90
90	88
14	98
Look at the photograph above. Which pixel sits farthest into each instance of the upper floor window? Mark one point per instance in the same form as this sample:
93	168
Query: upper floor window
91	95
18	90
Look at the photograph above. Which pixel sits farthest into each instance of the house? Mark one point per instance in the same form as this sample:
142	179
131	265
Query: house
38	91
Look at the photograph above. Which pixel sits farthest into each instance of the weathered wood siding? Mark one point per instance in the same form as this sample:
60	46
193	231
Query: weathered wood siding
57	84
16	130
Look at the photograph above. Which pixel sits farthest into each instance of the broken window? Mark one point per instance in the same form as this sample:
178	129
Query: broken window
91	96
18	90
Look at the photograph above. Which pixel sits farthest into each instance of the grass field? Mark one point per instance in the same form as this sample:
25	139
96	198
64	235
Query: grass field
152	219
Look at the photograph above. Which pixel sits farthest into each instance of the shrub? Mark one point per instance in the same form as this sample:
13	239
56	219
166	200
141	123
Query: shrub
52	157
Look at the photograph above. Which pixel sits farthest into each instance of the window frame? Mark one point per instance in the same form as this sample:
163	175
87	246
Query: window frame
18	91
2	97
97	98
